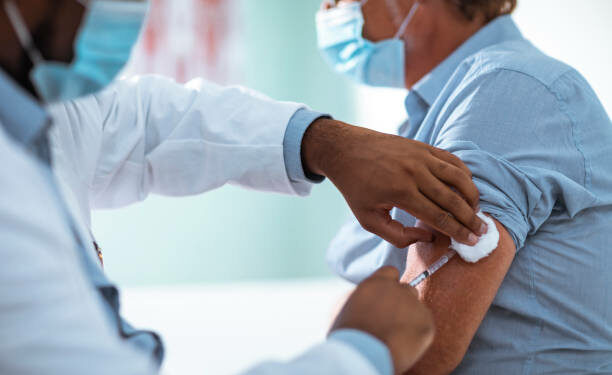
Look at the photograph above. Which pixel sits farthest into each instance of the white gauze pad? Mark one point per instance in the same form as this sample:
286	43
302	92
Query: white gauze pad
488	242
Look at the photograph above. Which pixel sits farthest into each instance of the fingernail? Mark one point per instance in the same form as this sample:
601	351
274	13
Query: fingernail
484	228
473	239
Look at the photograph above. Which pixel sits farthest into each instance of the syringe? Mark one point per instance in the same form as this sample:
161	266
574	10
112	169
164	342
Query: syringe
433	268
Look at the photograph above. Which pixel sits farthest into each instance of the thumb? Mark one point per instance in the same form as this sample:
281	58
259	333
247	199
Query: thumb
380	223
418	235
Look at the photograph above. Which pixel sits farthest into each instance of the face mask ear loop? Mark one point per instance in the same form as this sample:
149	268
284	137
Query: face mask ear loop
23	34
407	20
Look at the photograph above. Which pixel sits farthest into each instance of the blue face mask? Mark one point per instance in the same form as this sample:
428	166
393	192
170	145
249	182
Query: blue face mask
102	48
344	48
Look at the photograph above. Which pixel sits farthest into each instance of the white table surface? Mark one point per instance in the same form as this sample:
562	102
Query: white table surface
223	329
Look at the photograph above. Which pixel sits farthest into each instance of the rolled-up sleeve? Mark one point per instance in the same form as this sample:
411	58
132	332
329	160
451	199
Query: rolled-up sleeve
520	147
507	193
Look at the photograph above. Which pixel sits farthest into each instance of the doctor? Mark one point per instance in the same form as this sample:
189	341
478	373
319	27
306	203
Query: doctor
58	312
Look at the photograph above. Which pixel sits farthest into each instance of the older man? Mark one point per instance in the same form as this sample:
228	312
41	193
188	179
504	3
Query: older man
537	141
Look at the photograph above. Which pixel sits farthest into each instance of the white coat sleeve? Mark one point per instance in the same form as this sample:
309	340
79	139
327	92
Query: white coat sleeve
151	135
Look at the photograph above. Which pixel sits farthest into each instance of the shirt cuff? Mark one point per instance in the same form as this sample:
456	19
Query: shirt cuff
368	346
292	145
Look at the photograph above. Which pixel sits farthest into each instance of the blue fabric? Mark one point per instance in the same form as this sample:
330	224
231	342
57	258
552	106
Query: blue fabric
24	119
367	345
292	145
538	143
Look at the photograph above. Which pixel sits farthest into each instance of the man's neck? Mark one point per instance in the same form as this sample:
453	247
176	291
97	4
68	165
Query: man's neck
446	36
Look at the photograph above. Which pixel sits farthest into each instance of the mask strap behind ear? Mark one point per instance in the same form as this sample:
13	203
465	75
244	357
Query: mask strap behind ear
407	20
23	34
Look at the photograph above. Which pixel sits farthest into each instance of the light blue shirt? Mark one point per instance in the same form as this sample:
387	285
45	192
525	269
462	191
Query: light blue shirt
539	145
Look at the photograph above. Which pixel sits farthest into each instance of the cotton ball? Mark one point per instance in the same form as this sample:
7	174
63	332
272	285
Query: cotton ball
488	242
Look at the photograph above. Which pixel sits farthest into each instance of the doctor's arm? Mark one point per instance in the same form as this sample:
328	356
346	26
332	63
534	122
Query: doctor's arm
151	135
459	295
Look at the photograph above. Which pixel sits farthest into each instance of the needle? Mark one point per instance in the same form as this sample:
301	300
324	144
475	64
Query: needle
433	268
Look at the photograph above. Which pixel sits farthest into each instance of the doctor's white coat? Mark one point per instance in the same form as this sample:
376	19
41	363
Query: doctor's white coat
140	136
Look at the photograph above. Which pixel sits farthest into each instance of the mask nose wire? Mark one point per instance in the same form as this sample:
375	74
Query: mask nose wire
23	34
407	20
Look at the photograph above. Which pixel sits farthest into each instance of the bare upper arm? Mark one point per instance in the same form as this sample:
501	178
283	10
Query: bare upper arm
459	296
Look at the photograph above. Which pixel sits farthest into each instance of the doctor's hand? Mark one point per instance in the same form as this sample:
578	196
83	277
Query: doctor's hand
391	312
376	172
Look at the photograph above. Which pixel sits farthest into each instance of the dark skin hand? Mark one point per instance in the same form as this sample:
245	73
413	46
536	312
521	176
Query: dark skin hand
376	172
391	312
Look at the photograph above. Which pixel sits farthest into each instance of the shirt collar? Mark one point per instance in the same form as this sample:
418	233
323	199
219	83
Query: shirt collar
22	117
500	30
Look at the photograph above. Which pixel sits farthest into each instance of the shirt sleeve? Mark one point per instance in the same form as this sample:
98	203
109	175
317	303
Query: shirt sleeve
341	354
292	146
510	131
354	253
369	346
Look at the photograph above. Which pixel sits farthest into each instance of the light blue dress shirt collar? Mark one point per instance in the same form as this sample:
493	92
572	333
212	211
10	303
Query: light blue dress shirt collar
425	92
22	117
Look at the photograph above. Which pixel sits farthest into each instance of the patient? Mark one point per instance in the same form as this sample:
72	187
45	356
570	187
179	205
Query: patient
539	145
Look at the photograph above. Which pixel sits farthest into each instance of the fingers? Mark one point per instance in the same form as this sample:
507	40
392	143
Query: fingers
380	223
387	272
455	177
424	209
452	159
414	235
452	171
449	200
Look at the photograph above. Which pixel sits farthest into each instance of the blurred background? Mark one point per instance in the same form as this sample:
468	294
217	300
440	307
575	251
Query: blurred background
240	268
